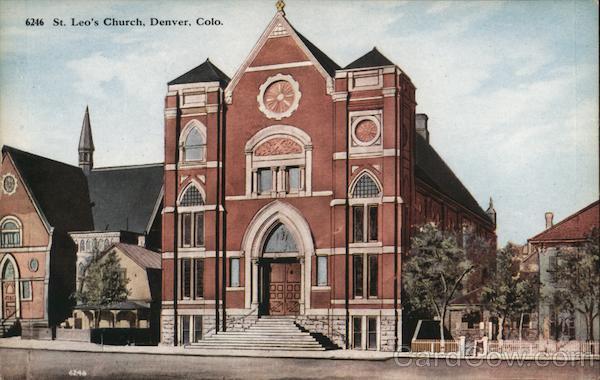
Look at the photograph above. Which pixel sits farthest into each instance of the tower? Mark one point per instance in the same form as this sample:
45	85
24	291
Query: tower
86	144
491	212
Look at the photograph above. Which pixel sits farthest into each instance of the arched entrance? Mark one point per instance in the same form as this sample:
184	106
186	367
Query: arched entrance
278	247
10	292
279	273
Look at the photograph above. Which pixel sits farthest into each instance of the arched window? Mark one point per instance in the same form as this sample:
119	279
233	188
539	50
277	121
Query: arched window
10	231
365	215
280	240
365	187
194	146
192	197
8	273
191	223
278	162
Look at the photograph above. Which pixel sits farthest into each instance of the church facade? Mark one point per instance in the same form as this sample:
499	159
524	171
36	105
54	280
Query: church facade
292	188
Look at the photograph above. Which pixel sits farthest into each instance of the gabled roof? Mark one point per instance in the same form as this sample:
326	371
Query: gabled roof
325	65
124	197
328	64
86	142
431	169
372	59
59	190
141	256
573	227
206	72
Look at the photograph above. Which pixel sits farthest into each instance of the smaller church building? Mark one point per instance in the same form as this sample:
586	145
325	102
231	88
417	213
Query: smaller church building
55	216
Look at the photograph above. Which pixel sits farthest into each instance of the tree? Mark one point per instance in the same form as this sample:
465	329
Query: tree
435	272
577	275
507	295
103	283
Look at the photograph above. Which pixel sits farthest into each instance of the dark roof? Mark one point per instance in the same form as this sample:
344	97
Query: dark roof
431	169
85	138
143	257
574	227
206	72
124	197
60	190
372	59
328	64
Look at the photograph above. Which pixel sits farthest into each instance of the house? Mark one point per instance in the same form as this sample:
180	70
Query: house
571	232
292	189
142	268
55	216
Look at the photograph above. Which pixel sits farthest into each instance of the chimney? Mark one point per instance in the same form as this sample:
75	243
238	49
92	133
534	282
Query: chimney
421	125
549	219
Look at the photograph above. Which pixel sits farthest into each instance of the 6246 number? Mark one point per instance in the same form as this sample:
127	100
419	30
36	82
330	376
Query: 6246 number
34	22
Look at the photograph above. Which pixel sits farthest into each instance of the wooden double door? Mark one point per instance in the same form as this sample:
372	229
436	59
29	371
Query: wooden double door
281	287
9	299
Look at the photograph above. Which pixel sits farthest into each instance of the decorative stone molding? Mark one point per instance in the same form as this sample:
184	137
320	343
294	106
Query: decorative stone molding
279	96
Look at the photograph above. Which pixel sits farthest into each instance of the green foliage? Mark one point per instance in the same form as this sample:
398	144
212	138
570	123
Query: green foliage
435	272
103	283
507	295
577	275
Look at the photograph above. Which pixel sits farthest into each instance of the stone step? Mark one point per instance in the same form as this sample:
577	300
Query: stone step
271	345
234	338
261	334
240	347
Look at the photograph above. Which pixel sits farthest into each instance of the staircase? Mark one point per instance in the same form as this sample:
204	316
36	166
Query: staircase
8	327
268	333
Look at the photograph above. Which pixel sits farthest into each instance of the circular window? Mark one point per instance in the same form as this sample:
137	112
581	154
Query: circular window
34	265
9	184
366	131
279	96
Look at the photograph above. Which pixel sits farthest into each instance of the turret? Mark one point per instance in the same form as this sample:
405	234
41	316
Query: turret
491	212
86	145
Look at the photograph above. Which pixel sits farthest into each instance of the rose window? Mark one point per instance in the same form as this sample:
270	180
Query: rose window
366	131
279	96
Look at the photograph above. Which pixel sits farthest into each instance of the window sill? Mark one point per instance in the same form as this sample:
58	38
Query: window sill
321	287
234	288
366	245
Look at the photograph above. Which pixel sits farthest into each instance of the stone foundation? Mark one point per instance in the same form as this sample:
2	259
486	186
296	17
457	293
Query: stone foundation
331	327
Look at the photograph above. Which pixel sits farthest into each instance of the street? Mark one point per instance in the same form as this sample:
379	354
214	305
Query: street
42	364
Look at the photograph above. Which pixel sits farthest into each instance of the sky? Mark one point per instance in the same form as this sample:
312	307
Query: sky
510	88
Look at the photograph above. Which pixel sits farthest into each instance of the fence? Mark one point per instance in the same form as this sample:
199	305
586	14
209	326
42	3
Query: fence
434	345
550	346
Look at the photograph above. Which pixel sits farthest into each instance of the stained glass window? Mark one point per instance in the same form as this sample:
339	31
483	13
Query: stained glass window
280	240
365	187
192	197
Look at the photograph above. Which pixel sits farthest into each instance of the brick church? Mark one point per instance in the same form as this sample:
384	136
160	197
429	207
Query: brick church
291	190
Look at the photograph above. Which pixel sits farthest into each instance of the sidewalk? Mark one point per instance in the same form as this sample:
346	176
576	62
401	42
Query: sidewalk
55	345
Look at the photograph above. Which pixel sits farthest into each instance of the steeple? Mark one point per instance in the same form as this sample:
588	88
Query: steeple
86	144
491	212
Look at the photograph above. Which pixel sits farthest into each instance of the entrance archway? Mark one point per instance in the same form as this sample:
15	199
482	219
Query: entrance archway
9	291
278	246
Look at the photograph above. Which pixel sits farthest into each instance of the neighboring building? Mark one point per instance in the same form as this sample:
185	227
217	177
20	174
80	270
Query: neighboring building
292	189
142	307
569	233
40	202
53	216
